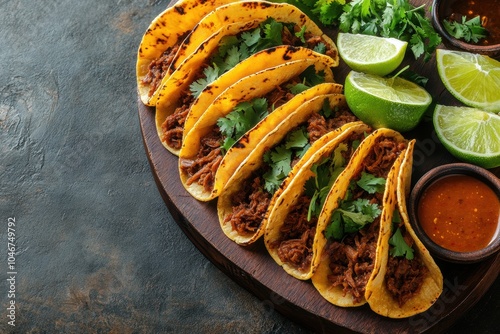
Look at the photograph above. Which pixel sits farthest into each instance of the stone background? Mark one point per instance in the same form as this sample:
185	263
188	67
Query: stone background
98	251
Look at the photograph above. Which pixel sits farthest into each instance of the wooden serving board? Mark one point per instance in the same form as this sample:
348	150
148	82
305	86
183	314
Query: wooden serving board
255	270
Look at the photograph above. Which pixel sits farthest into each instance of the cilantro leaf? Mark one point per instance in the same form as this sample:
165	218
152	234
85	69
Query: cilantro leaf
210	74
468	30
400	247
336	229
386	18
279	158
352	216
243	117
371	184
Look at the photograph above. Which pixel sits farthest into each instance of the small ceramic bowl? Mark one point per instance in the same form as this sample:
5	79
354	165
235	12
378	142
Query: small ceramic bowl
481	174
439	9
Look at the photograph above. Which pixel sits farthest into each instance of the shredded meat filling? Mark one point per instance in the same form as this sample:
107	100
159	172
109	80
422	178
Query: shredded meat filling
173	127
250	206
352	260
319	125
158	68
295	245
203	167
404	278
384	153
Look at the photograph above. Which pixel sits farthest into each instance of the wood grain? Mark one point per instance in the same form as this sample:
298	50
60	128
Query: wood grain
254	269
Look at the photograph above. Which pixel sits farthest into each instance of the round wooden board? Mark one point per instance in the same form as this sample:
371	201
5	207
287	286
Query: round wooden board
255	270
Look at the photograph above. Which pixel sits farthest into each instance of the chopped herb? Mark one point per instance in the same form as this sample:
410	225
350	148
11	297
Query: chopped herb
386	18
371	184
351	216
468	30
243	117
210	74
400	247
318	186
300	34
279	159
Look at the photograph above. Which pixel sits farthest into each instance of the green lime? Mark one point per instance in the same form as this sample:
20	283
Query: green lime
371	54
472	78
470	134
393	103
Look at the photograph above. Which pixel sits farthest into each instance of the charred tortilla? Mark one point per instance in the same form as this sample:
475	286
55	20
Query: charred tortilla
290	233
355	217
163	39
208	157
406	279
249	195
175	120
267	28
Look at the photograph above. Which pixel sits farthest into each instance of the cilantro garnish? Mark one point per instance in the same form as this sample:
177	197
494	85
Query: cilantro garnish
351	216
326	172
354	214
243	117
210	74
279	159
371	184
468	30
386	18
400	247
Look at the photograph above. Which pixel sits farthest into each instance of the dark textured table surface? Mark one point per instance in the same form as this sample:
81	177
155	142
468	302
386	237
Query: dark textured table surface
97	250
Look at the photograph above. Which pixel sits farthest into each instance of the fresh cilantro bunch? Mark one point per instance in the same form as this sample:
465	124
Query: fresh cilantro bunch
468	30
241	119
398	243
385	18
354	214
326	172
279	159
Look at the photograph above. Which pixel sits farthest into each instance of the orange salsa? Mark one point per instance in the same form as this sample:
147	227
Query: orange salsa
459	213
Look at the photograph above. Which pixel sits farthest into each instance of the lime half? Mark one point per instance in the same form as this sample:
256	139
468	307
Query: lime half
472	78
371	54
393	103
470	134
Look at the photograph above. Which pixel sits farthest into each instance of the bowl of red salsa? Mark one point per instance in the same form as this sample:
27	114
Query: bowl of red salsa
455	211
469	25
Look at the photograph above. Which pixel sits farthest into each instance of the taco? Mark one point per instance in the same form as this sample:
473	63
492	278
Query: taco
172	120
217	144
406	280
251	192
355	217
291	230
272	25
163	38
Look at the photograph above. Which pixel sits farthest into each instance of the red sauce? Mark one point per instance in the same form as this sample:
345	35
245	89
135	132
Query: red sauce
488	10
460	213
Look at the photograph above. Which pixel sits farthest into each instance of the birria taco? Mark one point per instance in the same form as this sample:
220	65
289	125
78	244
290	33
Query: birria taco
251	191
163	39
271	25
291	231
217	143
406	280
355	217
172	120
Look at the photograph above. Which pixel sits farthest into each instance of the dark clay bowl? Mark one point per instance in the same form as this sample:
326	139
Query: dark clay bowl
438	14
433	175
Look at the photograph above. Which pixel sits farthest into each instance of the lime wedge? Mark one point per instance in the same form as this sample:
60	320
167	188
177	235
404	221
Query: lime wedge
472	78
393	103
371	54
470	134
